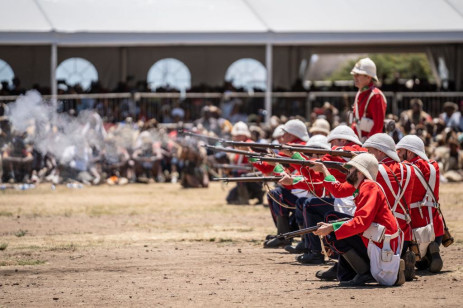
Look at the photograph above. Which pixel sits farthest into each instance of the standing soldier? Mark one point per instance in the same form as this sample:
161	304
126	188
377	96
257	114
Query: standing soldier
427	224
370	103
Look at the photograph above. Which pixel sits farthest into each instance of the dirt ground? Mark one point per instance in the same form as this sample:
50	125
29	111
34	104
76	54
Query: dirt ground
161	245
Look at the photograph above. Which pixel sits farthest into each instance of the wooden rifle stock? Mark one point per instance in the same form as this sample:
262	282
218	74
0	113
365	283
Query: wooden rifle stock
305	230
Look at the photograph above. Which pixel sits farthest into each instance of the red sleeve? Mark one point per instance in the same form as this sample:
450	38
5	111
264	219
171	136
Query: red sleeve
338	189
366	209
377	112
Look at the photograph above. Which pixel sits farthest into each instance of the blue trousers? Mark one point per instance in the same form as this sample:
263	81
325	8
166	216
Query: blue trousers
308	214
285	197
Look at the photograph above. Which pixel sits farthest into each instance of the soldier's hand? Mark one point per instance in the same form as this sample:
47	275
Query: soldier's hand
286	180
324	229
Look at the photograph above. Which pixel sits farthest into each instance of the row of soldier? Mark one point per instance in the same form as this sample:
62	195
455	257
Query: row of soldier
389	196
379	218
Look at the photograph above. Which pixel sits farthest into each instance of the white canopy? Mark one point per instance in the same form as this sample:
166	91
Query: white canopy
206	22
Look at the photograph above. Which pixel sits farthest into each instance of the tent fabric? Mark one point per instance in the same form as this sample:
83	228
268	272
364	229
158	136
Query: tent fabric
160	22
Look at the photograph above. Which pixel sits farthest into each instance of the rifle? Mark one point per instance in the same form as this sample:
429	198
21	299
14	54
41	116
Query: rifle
250	179
230	150
273	146
230	166
293	148
300	232
329	164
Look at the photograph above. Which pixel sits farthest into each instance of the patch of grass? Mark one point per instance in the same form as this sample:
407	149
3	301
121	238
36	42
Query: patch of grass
97	211
31	247
225	240
5	213
30	262
65	247
245	230
20	233
22	262
3	246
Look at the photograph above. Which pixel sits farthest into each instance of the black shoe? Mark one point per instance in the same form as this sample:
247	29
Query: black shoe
329	274
401	274
359	280
410	260
269	237
436	264
422	264
311	258
299	248
276	243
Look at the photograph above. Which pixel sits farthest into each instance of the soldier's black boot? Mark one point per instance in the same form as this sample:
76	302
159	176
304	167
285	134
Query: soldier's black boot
360	266
410	260
329	274
401	274
436	263
282	227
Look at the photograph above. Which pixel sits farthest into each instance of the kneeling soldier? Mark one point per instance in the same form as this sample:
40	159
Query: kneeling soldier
370	243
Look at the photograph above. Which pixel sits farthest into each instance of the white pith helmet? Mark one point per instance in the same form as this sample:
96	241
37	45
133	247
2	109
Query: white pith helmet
366	163
384	143
240	128
365	66
318	141
297	128
414	144
344	132
278	132
320	126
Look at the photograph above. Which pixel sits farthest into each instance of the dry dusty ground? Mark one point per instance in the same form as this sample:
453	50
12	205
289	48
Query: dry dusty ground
160	245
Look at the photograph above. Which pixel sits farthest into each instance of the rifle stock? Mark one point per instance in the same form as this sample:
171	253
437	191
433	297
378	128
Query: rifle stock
300	232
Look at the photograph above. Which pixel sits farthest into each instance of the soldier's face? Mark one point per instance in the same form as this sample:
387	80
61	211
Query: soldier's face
361	81
352	177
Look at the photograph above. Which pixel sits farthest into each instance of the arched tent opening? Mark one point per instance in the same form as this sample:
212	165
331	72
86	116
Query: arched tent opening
6	75
248	74
169	73
77	71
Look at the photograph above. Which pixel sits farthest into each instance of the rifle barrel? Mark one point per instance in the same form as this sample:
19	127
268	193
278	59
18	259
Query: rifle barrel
230	150
250	179
282	160
308	150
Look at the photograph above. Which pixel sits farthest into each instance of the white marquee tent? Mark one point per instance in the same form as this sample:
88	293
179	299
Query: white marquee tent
125	36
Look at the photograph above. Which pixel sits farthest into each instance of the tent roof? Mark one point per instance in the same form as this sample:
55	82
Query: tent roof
152	22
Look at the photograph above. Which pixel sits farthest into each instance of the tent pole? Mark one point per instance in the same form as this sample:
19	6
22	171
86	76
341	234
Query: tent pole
268	91
53	64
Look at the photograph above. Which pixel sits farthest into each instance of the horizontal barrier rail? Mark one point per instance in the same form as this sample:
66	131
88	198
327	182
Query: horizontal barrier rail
239	105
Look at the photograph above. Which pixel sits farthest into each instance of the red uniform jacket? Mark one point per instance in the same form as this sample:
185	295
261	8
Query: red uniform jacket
371	206
421	218
267	168
376	110
353	147
393	167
